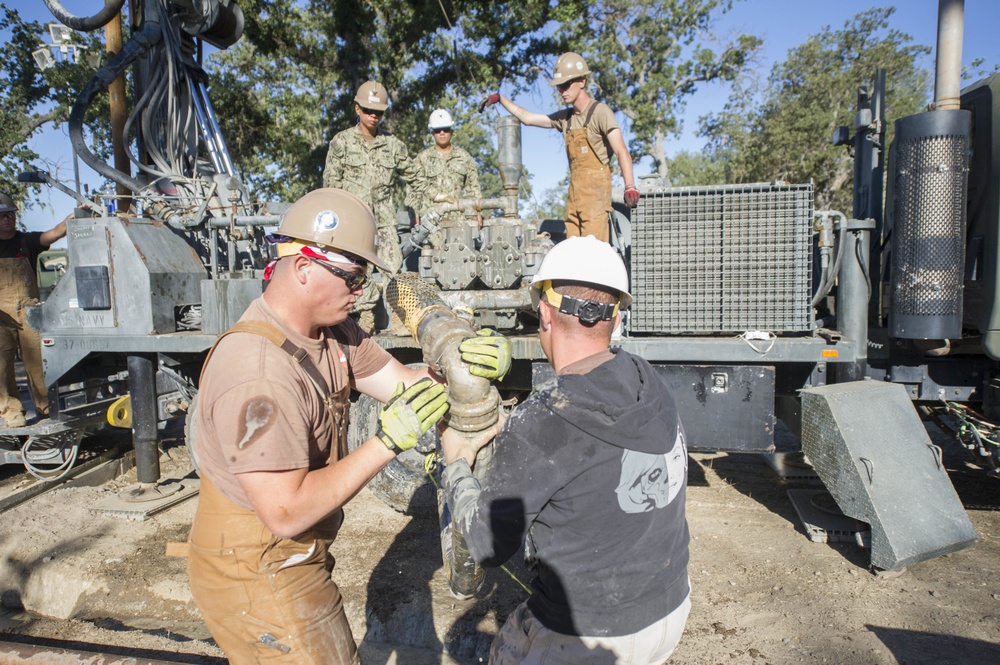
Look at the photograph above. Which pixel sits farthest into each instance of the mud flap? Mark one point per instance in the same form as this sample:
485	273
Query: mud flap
868	445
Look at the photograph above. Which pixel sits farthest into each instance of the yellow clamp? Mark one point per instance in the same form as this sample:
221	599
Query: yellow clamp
120	412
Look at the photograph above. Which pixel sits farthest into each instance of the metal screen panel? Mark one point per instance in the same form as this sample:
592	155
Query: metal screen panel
723	259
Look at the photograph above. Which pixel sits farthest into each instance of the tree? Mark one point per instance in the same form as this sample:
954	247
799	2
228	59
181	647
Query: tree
32	97
786	135
649	55
288	85
691	169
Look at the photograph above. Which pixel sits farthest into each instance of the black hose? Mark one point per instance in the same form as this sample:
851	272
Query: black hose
134	49
98	20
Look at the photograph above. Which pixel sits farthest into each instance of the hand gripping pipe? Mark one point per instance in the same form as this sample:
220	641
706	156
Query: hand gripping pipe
475	402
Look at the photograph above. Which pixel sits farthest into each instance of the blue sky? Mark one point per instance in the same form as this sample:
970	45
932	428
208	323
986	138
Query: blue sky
782	24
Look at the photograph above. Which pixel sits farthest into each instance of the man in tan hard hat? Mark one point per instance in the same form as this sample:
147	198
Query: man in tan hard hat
591	474
591	135
18	289
271	437
450	171
367	161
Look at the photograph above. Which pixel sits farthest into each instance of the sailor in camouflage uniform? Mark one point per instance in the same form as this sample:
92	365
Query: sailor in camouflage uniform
366	161
450	171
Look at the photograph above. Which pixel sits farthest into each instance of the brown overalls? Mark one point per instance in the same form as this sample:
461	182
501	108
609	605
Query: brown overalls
18	289
589	200
267	599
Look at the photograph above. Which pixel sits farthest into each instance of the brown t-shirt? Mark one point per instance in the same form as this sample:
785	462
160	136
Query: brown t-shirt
258	410
602	122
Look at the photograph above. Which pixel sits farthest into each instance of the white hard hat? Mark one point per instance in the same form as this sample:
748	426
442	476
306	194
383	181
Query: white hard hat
583	259
440	119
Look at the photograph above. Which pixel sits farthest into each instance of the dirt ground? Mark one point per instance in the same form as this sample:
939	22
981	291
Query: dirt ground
762	591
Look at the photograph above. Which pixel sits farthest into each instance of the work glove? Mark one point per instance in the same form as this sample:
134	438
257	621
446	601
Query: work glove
488	354
489	100
411	412
631	196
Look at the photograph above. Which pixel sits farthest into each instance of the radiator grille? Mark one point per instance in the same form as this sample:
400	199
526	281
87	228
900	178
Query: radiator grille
723	259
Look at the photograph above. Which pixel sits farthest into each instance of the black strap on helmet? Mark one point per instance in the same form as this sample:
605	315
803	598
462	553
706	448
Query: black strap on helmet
588	311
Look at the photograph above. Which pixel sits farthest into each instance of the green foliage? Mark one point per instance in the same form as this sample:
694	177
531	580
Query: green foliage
649	56
31	97
786	135
692	169
288	86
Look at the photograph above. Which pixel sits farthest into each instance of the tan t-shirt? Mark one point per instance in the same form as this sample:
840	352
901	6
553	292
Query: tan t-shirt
257	409
602	122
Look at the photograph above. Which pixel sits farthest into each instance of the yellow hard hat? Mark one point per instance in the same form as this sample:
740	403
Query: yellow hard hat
371	95
334	219
569	67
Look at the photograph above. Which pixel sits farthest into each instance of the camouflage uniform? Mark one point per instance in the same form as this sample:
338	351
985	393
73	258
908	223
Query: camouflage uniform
452	173
369	171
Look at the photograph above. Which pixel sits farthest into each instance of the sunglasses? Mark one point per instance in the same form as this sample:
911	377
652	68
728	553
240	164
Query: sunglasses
563	86
442	129
353	280
377	114
9	214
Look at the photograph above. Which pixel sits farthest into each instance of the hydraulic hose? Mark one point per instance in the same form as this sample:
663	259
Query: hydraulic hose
98	20
135	48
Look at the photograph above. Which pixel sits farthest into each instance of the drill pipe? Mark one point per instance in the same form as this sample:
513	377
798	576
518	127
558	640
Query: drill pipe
475	402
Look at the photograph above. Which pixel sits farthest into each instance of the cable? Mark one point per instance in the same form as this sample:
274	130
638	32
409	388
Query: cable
59	472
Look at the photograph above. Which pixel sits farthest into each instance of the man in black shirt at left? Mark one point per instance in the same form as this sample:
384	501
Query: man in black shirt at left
19	288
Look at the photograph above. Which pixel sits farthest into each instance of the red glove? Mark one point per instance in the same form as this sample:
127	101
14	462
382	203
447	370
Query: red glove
631	196
489	100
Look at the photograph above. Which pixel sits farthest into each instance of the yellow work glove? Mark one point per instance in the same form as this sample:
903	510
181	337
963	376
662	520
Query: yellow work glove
411	412
488	354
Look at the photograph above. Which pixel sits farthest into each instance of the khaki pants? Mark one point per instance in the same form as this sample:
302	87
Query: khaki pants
18	290
523	640
266	599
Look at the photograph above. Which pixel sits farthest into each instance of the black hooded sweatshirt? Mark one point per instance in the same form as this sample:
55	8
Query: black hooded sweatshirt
591	473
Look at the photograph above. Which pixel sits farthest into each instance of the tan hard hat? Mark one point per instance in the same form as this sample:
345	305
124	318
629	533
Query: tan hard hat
371	95
7	204
333	219
570	66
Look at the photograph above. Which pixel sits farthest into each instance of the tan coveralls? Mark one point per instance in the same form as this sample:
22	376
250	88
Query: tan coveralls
267	599
18	289
589	200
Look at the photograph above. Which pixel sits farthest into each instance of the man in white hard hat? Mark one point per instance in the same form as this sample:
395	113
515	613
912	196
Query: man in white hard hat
18	289
592	135
591	472
271	437
450	171
368	161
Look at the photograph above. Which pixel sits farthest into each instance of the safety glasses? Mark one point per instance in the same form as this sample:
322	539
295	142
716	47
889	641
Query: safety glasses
353	280
442	129
377	114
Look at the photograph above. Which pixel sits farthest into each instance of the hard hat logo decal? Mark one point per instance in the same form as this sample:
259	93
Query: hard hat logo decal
327	220
373	98
579	66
